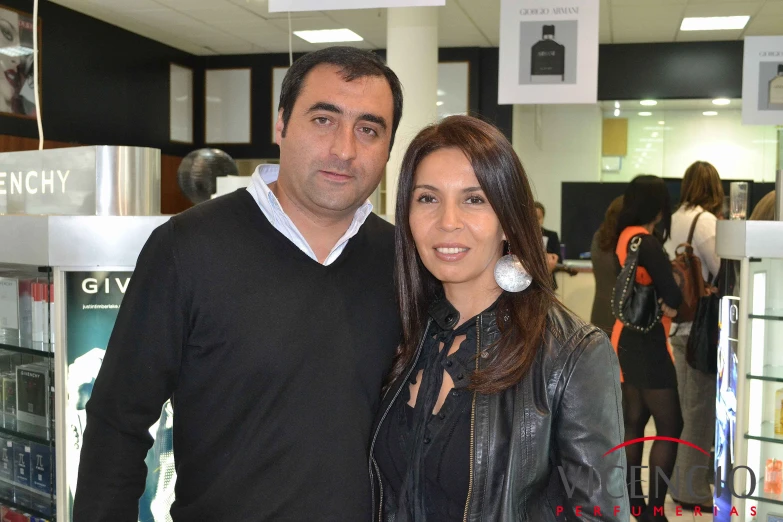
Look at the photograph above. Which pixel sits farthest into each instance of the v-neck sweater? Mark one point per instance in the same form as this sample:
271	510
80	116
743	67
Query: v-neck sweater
274	364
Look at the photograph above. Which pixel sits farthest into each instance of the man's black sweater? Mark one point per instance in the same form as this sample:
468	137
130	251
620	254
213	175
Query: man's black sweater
274	364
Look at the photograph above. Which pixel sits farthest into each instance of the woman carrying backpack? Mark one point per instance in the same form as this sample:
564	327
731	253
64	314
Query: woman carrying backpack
649	380
701	203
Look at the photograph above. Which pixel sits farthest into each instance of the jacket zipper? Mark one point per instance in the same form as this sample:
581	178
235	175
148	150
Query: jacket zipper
378	428
473	422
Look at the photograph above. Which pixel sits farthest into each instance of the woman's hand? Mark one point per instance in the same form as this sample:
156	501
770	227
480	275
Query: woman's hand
668	311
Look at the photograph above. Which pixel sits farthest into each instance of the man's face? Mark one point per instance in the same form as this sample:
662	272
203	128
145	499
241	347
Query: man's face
540	215
336	143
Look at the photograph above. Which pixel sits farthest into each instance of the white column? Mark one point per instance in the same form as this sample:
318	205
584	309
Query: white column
412	53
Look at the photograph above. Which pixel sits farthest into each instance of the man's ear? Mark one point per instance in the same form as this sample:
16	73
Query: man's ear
279	127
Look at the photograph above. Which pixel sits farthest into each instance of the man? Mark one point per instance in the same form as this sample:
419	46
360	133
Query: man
551	242
268	317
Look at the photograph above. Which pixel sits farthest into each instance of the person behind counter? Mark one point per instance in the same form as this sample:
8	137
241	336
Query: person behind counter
649	380
605	267
497	389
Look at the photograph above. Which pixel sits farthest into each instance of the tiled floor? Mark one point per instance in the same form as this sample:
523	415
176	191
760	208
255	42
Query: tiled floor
670	507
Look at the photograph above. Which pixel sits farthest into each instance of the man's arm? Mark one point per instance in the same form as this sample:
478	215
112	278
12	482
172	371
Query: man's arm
138	374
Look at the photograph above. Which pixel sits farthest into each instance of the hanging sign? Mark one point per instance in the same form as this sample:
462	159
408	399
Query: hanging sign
276	6
762	81
548	51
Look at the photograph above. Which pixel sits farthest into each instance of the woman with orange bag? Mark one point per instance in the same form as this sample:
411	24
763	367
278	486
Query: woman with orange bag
649	380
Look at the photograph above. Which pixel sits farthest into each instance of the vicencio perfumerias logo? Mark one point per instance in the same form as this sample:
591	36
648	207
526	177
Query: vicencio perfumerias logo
597	479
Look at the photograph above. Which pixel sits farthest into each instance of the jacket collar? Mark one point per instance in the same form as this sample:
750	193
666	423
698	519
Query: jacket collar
446	316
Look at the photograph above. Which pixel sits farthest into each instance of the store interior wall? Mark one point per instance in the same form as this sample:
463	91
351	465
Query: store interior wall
101	84
737	151
570	150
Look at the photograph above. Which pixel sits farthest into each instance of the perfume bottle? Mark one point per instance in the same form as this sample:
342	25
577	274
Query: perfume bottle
547	58
773	477
776	87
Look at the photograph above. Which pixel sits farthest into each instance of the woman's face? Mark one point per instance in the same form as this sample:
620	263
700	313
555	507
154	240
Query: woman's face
9	37
456	231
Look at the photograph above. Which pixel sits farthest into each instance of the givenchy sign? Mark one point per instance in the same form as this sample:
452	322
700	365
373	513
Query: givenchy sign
33	182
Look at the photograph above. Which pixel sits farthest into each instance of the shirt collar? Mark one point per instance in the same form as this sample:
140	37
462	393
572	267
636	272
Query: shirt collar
268	173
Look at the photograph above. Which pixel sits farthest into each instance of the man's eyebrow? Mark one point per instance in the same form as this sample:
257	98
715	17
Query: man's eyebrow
330	107
324	106
372	118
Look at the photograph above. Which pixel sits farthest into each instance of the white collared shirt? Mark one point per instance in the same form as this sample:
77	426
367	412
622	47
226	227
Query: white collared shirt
272	210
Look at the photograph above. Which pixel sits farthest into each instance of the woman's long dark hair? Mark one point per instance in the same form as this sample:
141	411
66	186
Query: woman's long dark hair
606	232
503	180
645	198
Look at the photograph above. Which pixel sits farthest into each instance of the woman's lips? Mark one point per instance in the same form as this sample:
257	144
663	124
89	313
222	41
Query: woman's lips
10	75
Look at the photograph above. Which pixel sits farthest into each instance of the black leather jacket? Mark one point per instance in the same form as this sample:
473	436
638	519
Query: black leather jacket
559	421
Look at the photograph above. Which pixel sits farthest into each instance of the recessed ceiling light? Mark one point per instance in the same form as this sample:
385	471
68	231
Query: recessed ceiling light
648	103
721	101
654	134
649	145
616	112
439	103
617	105
661	123
710	113
645	114
441	92
329	36
714	23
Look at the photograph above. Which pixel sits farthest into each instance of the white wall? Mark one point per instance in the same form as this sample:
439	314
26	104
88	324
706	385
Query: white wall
737	151
567	147
570	150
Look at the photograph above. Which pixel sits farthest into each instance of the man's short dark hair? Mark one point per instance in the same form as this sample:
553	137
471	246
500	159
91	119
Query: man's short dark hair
541	207
353	64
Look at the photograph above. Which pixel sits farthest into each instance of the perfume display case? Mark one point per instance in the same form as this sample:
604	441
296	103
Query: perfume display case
749	433
62	277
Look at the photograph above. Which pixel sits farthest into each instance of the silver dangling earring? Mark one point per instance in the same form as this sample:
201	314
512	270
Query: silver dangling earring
510	275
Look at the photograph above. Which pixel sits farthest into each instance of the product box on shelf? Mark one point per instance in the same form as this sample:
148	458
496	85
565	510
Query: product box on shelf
32	399
43	464
40	315
9	399
16	311
22	463
6	460
8	514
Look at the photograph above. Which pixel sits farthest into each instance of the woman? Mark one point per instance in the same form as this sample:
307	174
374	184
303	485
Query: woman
497	397
701	203
605	267
649	380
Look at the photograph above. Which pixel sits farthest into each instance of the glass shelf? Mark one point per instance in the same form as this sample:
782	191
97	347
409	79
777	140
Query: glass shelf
27	436
38	505
28	351
768	373
766	317
770	498
765	433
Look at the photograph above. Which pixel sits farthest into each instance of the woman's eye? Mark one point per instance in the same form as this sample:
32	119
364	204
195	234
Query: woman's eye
475	200
425	198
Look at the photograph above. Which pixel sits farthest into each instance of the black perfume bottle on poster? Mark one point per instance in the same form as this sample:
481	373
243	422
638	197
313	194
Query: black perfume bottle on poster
547	58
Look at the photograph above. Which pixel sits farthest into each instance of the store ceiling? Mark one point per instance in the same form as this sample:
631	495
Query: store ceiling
207	27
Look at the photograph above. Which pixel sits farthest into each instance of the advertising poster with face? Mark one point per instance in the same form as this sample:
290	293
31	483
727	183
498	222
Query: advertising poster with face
17	94
92	303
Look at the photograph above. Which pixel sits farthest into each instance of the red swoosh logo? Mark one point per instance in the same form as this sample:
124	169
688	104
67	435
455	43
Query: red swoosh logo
668	439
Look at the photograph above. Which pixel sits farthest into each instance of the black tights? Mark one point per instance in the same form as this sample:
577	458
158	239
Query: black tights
664	406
